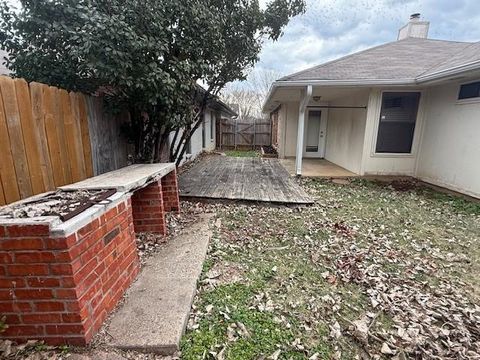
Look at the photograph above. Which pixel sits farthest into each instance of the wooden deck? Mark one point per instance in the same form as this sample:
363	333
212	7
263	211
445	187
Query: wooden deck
253	179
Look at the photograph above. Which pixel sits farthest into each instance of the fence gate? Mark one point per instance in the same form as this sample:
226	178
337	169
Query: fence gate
244	133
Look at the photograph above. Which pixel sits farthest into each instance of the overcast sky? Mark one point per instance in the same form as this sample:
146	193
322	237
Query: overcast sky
333	28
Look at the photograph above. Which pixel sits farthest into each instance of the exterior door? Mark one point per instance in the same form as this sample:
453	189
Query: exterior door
315	134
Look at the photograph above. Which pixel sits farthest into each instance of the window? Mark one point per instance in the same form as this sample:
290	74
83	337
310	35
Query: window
203	132
469	91
397	122
213	118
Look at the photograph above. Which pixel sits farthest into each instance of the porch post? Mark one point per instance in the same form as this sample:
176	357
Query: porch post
300	130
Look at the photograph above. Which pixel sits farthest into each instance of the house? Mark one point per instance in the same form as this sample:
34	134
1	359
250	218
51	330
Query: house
409	107
205	137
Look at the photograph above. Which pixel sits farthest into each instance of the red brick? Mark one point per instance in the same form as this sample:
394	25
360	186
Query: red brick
12	319
34	257
64	329
6	258
31	269
43	282
47	318
21	244
12	283
23	330
65	294
49	306
72	318
61	243
3	233
61	269
27	230
33	294
6	307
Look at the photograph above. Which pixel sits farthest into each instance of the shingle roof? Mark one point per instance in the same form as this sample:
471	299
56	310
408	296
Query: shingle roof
469	54
3	68
398	60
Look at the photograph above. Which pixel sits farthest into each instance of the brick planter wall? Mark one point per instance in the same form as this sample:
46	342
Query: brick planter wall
152	202
60	289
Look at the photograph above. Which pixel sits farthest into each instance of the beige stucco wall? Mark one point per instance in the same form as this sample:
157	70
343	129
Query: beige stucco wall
389	164
450	148
346	132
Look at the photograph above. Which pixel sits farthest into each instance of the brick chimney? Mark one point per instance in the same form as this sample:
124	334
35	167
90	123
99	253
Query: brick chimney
414	28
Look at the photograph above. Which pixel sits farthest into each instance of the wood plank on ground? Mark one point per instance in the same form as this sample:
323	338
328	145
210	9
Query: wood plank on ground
15	133
220	177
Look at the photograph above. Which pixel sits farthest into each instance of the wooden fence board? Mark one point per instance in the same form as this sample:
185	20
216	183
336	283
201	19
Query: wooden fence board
77	136
7	165
60	130
36	94
87	149
54	148
30	136
17	146
2	196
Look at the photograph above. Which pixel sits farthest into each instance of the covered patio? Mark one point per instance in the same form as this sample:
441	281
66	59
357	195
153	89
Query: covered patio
317	168
321	128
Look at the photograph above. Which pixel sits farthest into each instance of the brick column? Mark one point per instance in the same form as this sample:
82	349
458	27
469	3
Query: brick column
148	209
171	201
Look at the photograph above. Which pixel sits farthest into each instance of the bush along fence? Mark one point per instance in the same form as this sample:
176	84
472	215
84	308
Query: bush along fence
50	137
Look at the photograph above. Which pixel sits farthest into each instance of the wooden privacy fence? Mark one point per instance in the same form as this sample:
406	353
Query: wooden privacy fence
245	133
45	138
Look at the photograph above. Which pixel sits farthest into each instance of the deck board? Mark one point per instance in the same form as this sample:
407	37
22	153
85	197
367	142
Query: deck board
254	179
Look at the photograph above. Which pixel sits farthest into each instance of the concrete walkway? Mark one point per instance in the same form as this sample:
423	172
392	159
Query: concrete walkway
155	313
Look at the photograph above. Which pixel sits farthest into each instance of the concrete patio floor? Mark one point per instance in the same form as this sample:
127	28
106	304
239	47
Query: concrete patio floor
317	168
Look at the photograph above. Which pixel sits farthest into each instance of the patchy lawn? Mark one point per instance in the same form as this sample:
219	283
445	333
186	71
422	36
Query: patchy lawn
242	153
367	271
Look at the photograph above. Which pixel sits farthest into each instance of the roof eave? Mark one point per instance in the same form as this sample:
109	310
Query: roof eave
342	82
446	73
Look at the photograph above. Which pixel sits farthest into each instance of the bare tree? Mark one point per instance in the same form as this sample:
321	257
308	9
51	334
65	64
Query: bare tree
250	94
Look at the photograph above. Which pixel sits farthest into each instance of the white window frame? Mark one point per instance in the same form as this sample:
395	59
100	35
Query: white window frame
213	119
416	133
470	100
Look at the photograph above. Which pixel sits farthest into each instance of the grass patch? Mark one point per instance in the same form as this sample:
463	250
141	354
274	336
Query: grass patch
242	153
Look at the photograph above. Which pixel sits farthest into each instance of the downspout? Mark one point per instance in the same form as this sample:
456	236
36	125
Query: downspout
301	130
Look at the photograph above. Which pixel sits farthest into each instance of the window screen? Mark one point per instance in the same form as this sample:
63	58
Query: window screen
397	122
469	91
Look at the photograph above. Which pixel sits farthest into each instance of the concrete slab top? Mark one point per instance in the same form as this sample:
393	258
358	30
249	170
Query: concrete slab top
124	179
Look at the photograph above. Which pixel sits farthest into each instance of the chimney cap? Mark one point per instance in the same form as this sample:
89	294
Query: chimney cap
415	16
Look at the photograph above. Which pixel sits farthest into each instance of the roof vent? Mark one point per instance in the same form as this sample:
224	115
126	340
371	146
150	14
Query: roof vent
414	28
